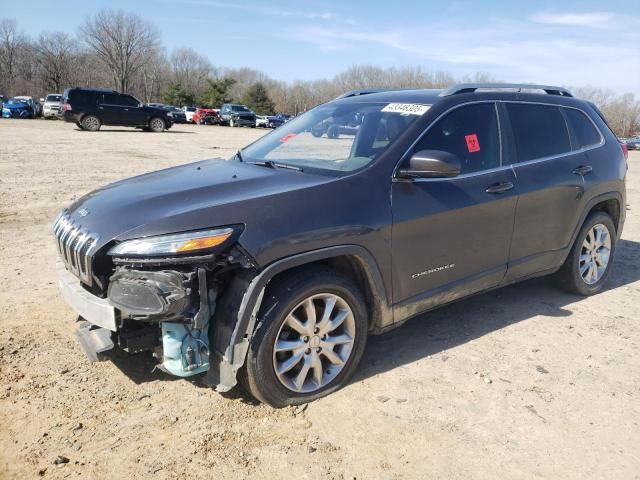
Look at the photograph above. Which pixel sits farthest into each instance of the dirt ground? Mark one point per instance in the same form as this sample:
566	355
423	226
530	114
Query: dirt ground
525	382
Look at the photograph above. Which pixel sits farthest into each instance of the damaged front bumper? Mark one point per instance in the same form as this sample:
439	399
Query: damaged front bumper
169	310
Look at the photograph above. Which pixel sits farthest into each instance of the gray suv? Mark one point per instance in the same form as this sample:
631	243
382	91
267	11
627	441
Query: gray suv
272	267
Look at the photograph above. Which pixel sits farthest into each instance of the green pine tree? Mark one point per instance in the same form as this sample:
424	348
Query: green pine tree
178	96
217	92
257	99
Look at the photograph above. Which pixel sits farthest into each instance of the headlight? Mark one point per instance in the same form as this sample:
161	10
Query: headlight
191	242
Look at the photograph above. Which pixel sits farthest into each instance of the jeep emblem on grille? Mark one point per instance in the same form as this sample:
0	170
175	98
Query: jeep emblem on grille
83	212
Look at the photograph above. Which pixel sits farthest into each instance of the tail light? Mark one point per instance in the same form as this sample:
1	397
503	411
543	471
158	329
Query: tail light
625	150
67	107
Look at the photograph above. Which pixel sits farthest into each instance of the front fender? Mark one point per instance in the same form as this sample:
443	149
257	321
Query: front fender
235	318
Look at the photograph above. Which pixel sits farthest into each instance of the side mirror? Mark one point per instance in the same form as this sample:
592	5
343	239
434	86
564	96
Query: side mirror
432	164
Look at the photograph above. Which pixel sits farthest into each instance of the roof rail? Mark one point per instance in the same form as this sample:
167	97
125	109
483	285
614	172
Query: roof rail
365	91
472	87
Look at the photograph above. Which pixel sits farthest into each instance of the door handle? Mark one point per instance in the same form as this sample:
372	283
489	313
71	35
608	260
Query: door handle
582	170
499	187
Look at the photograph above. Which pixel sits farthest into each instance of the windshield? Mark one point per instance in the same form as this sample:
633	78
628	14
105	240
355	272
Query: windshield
338	137
239	108
53	98
16	101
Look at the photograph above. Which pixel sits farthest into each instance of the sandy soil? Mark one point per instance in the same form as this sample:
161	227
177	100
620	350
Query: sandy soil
525	382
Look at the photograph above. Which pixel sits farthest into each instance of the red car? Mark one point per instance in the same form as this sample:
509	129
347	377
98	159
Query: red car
206	116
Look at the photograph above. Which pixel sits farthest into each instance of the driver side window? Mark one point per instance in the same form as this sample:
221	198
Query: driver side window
471	133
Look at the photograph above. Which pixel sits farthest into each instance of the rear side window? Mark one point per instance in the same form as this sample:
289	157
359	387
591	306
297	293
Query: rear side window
539	131
81	96
471	133
110	99
585	134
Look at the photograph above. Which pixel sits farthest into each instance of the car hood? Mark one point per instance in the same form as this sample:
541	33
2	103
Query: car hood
194	196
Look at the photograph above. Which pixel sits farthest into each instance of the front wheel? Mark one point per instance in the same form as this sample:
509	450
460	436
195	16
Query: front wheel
232	123
157	125
311	335
589	263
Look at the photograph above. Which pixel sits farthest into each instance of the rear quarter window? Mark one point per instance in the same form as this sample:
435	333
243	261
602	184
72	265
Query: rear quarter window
584	133
539	131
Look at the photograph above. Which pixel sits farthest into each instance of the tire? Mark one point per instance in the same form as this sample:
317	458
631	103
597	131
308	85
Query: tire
157	125
80	125
333	132
289	295
91	123
576	276
317	132
232	123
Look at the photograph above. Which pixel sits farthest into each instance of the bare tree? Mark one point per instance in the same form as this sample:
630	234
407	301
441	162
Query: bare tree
122	41
12	42
190	69
55	55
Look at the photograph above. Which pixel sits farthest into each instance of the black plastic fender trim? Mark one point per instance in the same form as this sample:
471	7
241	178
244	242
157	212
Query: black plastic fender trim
223	370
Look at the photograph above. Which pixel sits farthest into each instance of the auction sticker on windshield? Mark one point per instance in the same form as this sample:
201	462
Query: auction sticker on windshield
406	108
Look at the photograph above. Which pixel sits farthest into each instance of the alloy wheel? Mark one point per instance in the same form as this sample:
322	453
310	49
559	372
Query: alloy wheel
314	343
157	125
595	254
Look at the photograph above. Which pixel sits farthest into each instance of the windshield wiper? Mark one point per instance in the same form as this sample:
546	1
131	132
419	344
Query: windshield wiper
272	164
239	155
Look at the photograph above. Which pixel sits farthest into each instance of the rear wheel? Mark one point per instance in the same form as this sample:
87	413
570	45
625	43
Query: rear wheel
590	260
91	123
156	124
311	335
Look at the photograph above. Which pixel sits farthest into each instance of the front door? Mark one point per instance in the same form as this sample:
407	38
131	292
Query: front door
451	236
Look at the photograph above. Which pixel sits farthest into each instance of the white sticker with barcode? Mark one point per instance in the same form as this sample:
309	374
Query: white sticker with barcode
406	108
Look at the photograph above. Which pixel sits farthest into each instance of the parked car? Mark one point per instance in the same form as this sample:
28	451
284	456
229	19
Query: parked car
206	116
51	105
34	105
236	115
632	143
19	107
278	120
176	114
189	112
273	267
262	121
333	127
91	108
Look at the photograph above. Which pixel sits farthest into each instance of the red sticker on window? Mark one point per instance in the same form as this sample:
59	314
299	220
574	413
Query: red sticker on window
288	137
472	143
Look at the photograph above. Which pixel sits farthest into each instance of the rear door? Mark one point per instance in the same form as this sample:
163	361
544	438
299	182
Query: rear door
451	236
551	186
109	110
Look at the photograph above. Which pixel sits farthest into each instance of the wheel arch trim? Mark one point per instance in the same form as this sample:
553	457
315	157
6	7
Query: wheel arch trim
222	373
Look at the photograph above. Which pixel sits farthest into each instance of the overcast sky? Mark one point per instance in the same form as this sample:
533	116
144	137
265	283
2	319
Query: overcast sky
566	43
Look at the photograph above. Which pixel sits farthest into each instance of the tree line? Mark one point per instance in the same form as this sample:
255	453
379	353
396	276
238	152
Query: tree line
121	50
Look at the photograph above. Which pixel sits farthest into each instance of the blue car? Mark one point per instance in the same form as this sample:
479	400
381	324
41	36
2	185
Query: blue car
18	108
278	120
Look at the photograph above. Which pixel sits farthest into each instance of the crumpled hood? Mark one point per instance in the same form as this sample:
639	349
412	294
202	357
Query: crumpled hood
194	196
